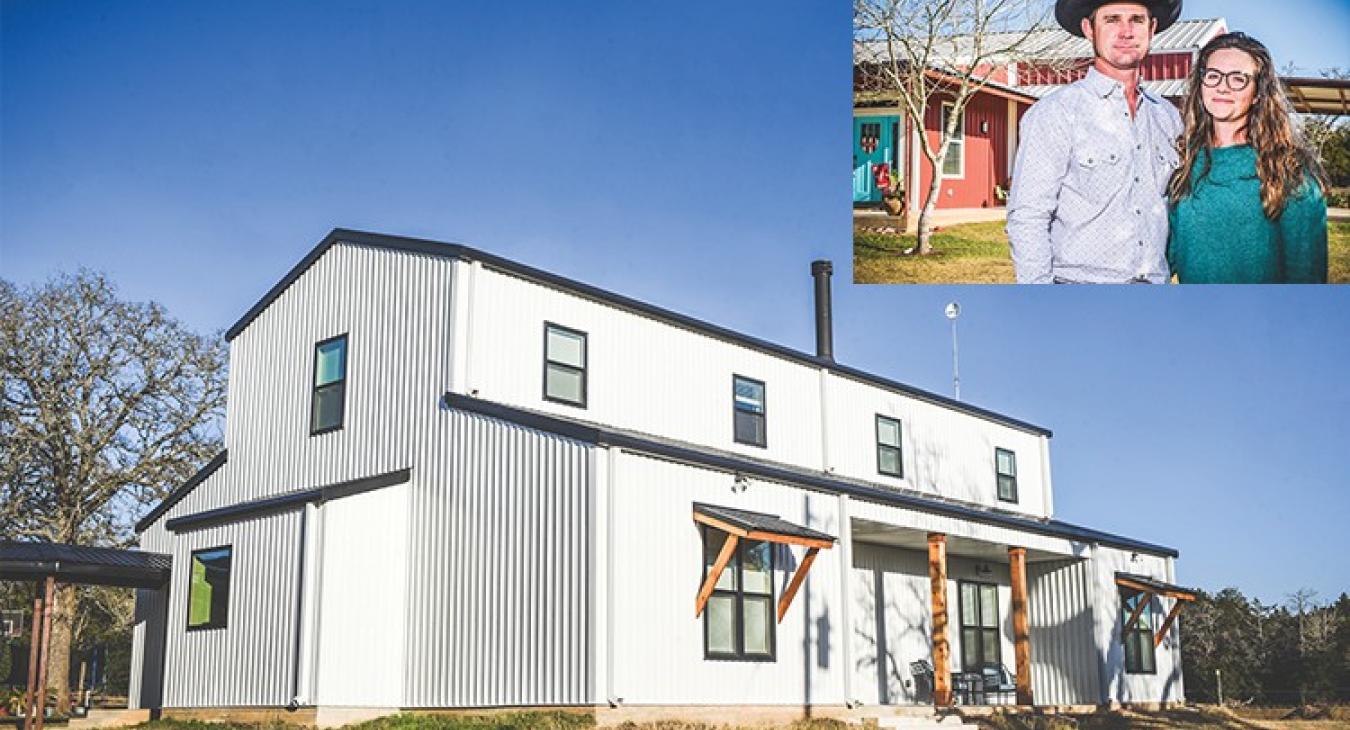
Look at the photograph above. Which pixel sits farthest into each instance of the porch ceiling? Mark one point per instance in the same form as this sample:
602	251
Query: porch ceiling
910	539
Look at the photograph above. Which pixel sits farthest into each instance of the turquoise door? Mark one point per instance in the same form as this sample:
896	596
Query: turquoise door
874	143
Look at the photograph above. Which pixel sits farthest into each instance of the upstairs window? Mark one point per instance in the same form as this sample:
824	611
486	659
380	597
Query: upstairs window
889	461
738	622
209	588
748	411
327	404
564	365
1139	637
1005	464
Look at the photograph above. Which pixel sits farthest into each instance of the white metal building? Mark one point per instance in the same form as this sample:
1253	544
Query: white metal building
452	480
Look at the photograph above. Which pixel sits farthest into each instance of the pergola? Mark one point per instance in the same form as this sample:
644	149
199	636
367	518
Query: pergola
1318	96
46	564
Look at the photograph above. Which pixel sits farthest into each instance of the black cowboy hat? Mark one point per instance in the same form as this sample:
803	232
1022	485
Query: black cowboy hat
1070	13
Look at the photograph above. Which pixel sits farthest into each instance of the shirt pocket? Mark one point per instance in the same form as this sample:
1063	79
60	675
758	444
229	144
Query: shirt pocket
1097	172
1165	160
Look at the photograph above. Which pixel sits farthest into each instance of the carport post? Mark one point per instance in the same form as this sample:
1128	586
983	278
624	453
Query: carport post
33	640
41	703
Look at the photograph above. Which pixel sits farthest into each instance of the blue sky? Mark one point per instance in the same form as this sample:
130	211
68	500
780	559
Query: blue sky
694	155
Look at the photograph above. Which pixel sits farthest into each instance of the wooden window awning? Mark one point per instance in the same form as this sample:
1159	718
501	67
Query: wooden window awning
742	524
1153	587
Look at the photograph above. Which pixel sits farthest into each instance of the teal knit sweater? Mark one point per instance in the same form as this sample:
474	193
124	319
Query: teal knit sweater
1221	235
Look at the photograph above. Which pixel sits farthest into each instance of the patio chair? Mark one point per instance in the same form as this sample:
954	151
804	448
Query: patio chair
999	682
922	672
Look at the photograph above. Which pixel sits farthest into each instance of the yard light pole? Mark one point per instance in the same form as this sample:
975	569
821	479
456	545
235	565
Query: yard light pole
953	311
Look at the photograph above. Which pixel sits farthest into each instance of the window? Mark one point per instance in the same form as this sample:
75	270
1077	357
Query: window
889	460
564	365
209	588
748	398
1139	639
1005	464
979	626
330	385
955	163
738	621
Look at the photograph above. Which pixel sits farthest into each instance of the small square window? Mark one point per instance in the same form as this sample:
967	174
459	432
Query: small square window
1006	468
564	365
328	401
748	411
209	588
889	459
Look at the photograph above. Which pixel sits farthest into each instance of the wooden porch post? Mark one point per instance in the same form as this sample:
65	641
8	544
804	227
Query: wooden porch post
1017	565
40	701
937	575
33	643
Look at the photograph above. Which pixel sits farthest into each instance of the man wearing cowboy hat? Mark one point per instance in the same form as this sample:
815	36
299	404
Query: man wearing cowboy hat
1088	193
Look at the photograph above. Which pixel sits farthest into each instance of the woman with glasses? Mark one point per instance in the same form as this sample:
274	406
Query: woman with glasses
1247	198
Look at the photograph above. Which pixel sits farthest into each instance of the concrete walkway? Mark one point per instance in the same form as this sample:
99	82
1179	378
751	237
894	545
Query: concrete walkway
1338	214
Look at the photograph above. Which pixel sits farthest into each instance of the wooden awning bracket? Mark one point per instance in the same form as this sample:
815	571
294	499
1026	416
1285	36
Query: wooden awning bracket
1177	595
734	535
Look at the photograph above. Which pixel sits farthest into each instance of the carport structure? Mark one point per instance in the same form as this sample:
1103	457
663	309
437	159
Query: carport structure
46	564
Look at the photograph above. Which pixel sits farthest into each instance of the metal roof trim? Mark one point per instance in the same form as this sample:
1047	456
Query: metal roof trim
182	491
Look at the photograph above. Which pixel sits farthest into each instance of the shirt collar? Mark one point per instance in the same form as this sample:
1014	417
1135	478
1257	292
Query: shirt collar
1103	85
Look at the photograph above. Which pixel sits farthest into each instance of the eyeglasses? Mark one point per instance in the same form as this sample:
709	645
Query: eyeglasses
1236	80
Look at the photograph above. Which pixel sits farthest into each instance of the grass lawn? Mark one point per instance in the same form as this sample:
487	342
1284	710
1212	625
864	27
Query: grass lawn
977	253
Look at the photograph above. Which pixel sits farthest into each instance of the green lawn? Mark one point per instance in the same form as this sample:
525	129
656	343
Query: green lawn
977	253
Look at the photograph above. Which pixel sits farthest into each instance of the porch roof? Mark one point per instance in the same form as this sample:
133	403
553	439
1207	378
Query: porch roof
796	476
83	564
753	522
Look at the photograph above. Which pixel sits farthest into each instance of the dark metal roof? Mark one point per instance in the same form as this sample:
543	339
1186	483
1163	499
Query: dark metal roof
1157	585
83	564
454	250
177	495
818	481
759	522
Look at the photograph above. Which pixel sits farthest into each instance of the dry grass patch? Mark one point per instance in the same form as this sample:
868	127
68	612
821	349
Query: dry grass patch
1338	253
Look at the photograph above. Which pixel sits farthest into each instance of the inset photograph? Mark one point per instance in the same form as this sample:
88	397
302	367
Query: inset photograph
1098	142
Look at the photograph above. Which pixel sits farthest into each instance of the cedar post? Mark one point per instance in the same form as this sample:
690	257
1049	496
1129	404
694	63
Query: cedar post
1017	566
41	699
33	643
937	575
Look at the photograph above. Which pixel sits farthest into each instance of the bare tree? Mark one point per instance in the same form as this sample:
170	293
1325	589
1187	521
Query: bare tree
105	405
911	52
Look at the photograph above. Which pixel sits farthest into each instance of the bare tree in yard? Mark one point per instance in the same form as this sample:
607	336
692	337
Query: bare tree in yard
910	52
105	405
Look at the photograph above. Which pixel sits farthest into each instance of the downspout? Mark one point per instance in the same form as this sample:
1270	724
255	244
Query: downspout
611	481
298	644
846	595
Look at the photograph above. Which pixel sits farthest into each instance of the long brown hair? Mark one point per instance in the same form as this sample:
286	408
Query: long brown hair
1283	161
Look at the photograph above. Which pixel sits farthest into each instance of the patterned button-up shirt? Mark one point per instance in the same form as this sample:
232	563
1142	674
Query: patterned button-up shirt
1088	200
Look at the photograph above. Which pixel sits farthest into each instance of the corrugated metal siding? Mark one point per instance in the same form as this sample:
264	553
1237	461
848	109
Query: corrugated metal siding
1065	665
250	661
657	555
147	650
362	599
640	375
1165	684
395	309
499	575
945	453
986	153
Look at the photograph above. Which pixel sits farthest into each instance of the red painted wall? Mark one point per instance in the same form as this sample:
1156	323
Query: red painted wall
1156	67
986	154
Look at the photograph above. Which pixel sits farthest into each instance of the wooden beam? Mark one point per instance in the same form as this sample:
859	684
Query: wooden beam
41	700
796	583
1146	588
722	525
790	539
1144	598
1167	623
724	557
937	576
1017	566
34	641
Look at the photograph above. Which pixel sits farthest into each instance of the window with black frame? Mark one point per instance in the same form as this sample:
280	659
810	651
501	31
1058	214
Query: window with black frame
209	588
980	644
1139	637
564	365
328	402
748	411
1005	464
738	620
889	460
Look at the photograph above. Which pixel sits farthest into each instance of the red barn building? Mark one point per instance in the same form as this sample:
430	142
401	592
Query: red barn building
979	163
